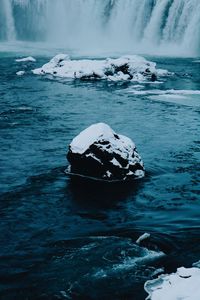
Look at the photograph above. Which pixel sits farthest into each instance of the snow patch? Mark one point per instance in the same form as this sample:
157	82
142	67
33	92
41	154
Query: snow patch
116	163
94	157
88	136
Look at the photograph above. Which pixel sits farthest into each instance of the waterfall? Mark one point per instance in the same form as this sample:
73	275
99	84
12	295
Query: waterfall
142	26
9	20
153	31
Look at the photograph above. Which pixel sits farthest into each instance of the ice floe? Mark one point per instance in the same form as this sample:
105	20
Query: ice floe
180	97
184	284
132	67
101	153
166	92
20	73
26	59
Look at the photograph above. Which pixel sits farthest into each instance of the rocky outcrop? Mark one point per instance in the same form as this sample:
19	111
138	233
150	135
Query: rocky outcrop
101	153
131	68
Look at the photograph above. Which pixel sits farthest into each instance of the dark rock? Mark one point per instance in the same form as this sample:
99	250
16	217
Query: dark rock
100	153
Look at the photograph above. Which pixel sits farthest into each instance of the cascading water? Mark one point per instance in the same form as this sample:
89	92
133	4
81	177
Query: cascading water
127	25
9	20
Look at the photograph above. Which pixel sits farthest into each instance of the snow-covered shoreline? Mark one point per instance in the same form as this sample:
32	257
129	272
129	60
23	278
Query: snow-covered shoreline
184	284
131	67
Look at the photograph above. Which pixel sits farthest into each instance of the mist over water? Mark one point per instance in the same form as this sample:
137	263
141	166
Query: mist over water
169	27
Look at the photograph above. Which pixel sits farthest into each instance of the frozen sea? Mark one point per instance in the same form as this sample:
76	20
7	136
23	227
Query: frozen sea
67	240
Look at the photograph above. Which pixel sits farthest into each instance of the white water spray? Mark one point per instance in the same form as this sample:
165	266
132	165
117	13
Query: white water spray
10	24
142	26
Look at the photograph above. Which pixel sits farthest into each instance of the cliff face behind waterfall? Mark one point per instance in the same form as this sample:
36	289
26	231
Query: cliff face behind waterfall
136	25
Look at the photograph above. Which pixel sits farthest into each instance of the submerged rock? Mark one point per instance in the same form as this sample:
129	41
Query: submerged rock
101	153
132	68
184	284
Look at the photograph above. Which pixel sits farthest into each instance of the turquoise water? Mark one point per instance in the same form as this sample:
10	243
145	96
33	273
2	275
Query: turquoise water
76	241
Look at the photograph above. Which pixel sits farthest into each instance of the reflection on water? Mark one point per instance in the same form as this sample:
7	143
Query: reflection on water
92	193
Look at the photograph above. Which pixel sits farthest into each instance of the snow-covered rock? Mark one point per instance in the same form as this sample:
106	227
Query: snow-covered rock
101	153
184	284
26	59
142	238
133	67
20	73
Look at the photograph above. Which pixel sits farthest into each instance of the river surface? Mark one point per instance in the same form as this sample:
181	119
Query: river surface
67	240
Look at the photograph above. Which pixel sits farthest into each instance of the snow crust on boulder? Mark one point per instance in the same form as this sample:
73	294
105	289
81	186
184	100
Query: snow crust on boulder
25	59
184	284
142	238
132	67
100	152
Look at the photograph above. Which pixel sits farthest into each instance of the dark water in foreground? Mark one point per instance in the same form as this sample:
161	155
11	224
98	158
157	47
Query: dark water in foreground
63	240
